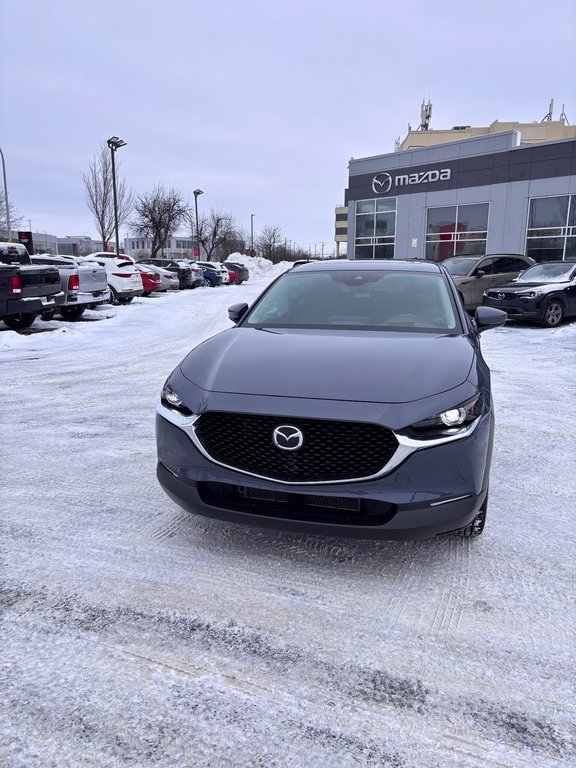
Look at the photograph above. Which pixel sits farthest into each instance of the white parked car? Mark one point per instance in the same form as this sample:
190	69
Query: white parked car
170	281
224	272
124	279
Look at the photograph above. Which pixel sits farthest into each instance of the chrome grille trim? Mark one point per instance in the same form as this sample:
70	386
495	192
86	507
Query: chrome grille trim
407	446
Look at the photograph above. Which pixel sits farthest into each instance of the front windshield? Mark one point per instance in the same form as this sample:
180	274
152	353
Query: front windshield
547	272
383	300
459	266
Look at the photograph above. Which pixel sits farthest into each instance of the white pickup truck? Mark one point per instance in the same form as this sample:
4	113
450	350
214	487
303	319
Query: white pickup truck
84	283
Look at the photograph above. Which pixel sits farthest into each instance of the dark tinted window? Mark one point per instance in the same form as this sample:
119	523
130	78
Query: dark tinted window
473	218
383	300
458	266
14	254
500	264
548	212
441	219
545	248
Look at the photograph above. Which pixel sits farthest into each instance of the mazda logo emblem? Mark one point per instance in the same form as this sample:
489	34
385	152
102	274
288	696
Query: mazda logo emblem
381	183
287	437
501	296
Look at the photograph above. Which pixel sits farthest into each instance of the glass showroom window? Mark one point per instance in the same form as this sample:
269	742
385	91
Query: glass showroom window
552	228
375	228
456	230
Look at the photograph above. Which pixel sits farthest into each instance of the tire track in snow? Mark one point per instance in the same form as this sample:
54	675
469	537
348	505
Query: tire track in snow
316	682
447	617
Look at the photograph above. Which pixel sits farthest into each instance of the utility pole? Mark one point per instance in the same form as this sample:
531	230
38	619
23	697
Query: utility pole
114	143
6	203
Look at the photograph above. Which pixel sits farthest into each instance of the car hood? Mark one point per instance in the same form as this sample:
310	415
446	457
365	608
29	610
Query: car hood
517	287
384	367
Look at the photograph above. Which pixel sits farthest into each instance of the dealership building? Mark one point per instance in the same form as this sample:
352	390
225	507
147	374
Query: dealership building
494	192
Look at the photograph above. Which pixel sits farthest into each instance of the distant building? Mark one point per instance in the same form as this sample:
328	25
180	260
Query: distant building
530	133
174	248
341	227
78	245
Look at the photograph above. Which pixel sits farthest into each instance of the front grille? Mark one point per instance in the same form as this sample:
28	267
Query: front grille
338	510
332	450
500	296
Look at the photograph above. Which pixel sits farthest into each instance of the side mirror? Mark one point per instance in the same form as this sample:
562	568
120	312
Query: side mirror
237	311
480	273
489	317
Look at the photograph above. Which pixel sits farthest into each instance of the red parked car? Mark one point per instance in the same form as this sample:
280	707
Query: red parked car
233	274
151	280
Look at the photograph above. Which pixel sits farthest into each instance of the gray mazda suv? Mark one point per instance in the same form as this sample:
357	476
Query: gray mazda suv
351	399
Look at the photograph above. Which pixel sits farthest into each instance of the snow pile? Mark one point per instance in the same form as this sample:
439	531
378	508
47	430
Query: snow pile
258	266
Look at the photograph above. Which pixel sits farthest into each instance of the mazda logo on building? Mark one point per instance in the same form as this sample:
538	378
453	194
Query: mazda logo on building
381	183
288	438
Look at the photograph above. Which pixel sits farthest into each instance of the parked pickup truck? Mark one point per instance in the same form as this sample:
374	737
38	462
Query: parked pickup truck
26	290
85	284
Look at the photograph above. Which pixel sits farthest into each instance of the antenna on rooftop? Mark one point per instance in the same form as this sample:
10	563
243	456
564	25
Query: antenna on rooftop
550	111
397	144
563	117
425	115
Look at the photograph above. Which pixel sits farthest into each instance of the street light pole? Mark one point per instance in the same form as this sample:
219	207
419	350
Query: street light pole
252	234
6	203
115	143
196	193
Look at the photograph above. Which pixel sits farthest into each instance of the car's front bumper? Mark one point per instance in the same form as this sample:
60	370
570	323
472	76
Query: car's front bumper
433	491
517	309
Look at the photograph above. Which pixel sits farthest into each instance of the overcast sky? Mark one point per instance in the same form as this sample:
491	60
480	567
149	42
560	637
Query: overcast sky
260	104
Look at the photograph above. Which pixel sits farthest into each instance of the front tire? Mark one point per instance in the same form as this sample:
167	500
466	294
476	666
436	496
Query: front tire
20	321
125	300
72	313
553	313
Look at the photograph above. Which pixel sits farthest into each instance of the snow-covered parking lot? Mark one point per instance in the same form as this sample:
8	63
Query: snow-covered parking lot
133	634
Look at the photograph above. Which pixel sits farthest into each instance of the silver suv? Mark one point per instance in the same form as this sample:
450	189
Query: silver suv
475	274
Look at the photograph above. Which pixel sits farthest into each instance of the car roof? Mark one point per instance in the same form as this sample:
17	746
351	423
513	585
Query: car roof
371	265
489	256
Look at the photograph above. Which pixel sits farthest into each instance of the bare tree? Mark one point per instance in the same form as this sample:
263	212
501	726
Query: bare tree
98	184
15	218
159	213
217	231
271	243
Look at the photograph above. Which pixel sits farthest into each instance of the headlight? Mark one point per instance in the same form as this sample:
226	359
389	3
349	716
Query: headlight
450	421
533	294
171	399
